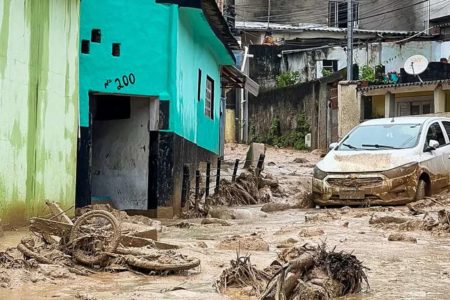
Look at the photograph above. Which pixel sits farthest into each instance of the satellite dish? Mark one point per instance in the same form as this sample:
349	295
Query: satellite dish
416	65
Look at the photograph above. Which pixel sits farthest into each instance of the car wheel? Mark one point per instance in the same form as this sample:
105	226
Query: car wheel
421	190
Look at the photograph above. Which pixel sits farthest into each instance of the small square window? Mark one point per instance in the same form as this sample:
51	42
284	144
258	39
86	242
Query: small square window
96	36
85	46
116	49
209	98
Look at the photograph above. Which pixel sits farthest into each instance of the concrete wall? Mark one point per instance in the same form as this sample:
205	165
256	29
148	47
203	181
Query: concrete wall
439	9
316	12
287	104
398	15
38	105
349	114
391	55
120	158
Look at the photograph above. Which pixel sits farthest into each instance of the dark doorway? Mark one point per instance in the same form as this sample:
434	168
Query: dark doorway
114	158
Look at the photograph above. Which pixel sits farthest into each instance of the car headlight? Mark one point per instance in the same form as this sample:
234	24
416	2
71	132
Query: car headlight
401	171
319	174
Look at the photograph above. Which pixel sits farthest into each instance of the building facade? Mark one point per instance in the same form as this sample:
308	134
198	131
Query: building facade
150	99
376	14
38	106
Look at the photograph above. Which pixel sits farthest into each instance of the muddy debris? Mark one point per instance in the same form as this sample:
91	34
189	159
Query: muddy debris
225	213
209	221
93	242
300	160
304	202
242	274
388	220
287	243
247	190
239	243
274	206
311	232
326	216
401	237
312	273
182	225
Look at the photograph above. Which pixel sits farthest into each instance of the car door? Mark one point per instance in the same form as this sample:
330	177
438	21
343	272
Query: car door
446	126
436	160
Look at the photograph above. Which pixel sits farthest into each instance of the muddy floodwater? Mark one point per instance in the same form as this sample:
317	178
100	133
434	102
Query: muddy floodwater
396	269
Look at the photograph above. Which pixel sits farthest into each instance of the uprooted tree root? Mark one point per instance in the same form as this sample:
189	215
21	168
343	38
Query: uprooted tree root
242	274
313	273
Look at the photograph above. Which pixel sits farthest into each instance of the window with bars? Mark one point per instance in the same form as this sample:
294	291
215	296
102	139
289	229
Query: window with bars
337	14
209	97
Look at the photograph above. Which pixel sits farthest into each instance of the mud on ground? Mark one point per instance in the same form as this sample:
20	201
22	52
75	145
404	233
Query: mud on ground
398	269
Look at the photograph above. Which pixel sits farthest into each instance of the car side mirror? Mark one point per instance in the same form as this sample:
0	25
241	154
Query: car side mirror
432	145
332	146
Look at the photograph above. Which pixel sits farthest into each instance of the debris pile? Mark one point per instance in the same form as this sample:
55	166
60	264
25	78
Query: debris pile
436	223
249	243
95	241
301	273
248	189
242	274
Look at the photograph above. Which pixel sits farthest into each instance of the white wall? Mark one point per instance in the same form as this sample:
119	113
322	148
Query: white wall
120	158
391	54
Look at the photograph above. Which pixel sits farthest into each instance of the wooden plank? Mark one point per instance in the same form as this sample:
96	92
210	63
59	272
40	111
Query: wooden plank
59	214
50	227
133	241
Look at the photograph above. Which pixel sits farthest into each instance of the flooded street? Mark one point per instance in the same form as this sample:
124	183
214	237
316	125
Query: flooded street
396	269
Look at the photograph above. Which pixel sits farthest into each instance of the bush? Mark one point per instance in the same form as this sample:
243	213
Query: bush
293	139
367	73
287	79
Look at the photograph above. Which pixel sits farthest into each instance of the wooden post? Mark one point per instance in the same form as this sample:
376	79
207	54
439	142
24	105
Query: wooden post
219	164
260	165
236	166
185	186
208	177
197	188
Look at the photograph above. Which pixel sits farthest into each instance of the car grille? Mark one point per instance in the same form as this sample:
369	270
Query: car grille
355	182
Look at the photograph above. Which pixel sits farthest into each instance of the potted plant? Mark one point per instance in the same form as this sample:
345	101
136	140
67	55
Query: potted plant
367	75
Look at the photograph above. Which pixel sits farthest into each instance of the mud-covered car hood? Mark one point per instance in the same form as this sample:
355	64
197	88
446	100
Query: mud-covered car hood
364	161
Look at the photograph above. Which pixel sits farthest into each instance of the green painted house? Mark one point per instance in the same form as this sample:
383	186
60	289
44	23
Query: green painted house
38	105
152	77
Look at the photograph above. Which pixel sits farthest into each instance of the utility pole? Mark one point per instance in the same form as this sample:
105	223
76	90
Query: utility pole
350	23
269	8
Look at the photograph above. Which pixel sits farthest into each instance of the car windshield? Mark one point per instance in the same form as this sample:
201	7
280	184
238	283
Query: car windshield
382	137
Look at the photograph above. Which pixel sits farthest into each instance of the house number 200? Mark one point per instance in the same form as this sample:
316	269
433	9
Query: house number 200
125	81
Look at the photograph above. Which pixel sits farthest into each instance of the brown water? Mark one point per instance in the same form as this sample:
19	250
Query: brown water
398	270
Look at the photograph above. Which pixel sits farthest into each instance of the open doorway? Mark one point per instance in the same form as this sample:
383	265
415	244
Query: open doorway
120	150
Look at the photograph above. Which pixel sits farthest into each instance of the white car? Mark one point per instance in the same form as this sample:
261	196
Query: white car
385	161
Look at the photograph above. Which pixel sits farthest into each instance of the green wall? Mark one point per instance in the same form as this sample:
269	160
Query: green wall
198	49
147	34
163	46
38	105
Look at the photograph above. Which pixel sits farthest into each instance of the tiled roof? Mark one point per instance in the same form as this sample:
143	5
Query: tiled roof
385	86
